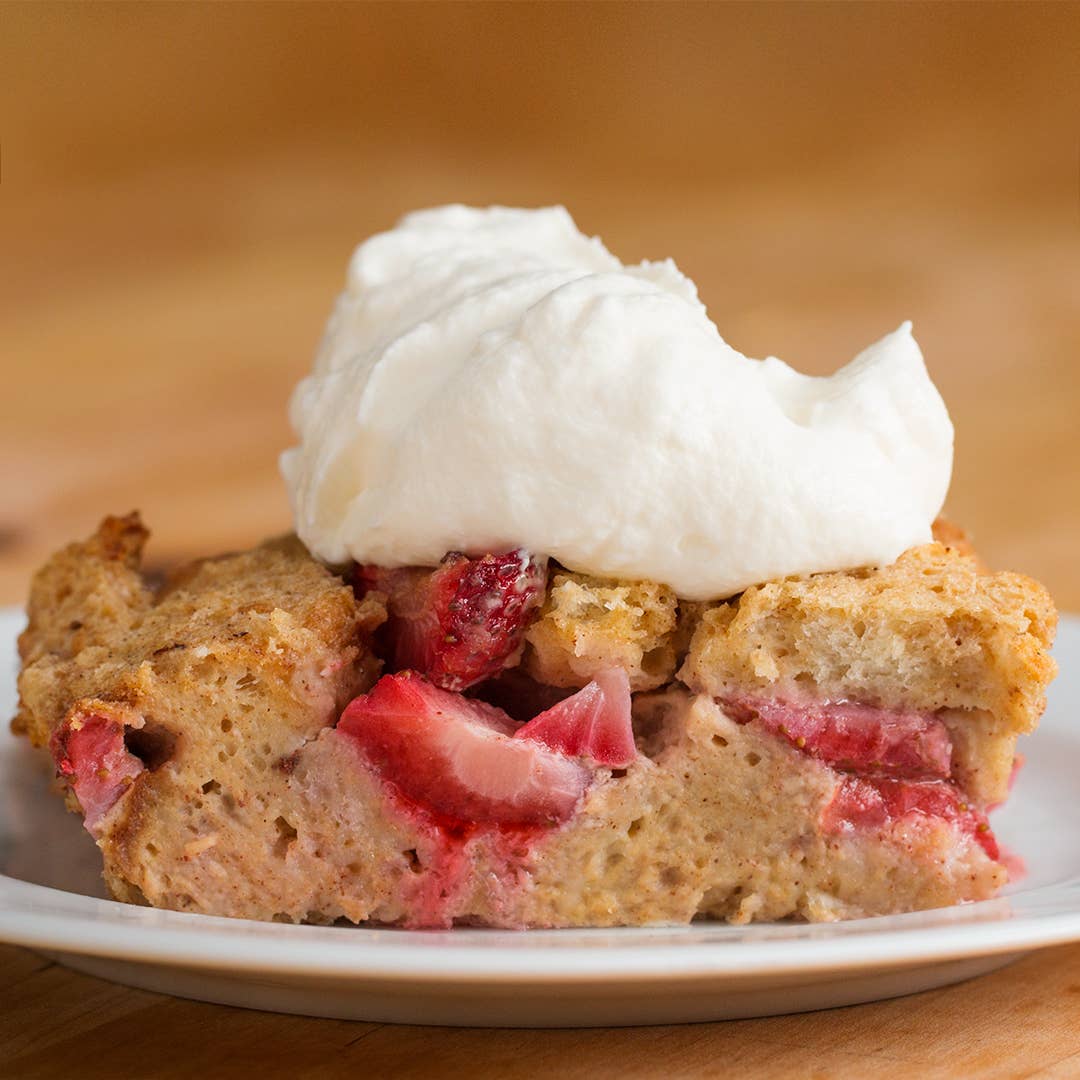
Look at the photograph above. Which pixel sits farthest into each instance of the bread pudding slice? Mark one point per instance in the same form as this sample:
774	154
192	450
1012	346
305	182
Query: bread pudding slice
829	749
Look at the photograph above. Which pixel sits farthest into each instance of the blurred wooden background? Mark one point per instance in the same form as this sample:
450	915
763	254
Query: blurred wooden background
182	184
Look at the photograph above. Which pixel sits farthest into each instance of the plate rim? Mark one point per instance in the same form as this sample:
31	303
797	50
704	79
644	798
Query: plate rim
217	948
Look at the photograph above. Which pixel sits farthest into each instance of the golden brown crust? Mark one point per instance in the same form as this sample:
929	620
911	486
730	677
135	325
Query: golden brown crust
589	623
950	535
928	633
86	591
96	629
227	671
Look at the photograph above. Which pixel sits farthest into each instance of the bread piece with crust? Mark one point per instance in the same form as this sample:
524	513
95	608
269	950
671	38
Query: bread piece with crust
87	593
929	633
589	623
212	684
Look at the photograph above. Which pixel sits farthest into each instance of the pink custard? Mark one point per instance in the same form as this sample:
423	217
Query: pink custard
900	761
858	738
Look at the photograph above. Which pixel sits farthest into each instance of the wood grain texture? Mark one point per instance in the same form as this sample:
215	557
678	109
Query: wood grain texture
182	184
1019	1022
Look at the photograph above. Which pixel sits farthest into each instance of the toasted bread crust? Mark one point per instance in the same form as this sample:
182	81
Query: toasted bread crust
225	672
955	538
589	623
87	592
930	632
97	629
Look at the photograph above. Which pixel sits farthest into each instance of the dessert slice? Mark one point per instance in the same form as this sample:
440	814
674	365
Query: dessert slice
237	747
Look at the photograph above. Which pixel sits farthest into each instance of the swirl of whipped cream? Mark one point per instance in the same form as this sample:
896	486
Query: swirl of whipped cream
493	379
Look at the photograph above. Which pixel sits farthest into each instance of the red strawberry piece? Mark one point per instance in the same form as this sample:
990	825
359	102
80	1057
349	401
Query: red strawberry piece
90	754
461	622
856	804
455	757
856	738
594	723
866	803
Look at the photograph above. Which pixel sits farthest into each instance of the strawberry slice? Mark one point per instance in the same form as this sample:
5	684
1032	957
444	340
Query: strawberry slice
454	756
90	754
462	622
594	723
865	803
856	738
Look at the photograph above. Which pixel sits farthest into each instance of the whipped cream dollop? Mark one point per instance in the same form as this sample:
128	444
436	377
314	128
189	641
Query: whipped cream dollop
493	379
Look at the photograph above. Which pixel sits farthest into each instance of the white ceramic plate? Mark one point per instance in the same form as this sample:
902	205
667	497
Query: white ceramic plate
51	899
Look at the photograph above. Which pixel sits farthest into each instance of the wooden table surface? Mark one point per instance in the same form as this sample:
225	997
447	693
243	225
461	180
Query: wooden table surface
181	186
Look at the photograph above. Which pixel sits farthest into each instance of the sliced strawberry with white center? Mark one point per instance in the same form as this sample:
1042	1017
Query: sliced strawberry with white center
863	803
455	755
459	623
857	738
90	754
594	723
